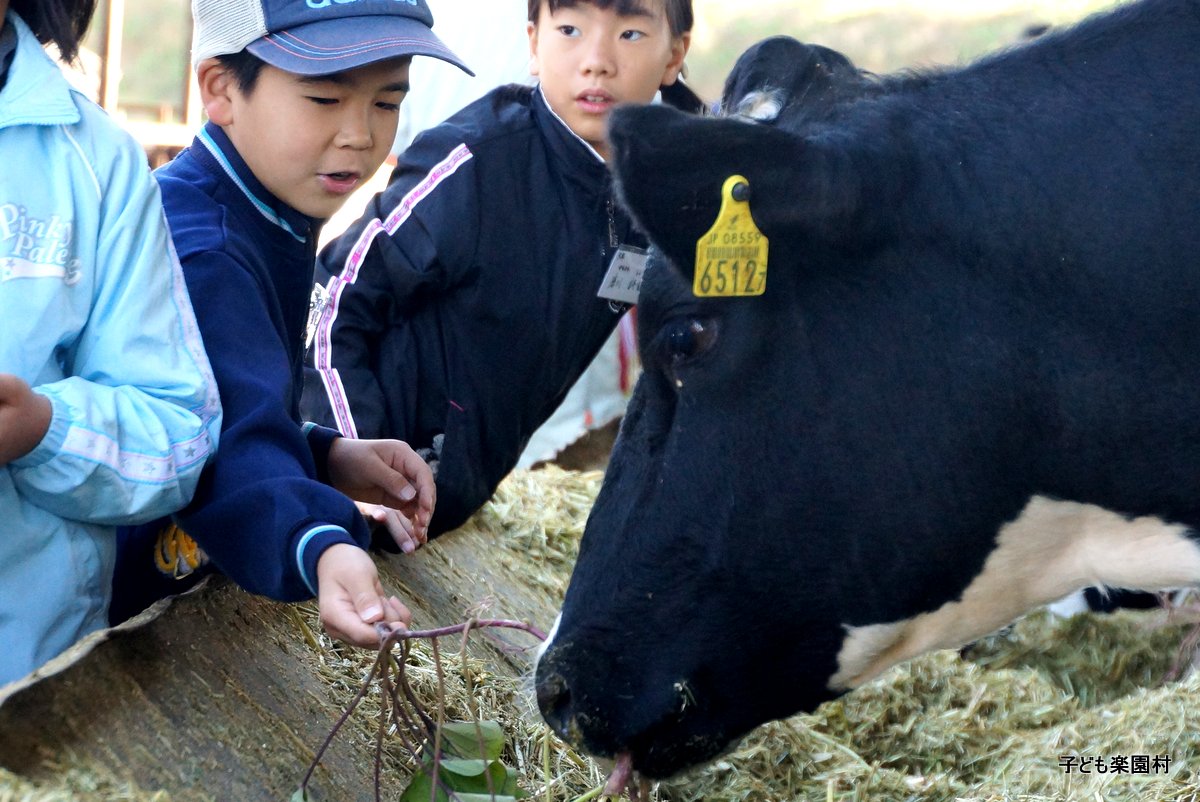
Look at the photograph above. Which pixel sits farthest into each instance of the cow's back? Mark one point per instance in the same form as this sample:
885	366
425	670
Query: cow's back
1069	134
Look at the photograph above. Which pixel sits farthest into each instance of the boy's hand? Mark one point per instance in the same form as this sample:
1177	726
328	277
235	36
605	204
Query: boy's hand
24	418
385	472
351	599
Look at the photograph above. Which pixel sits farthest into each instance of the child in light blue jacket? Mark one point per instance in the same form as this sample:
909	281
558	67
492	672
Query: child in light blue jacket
108	408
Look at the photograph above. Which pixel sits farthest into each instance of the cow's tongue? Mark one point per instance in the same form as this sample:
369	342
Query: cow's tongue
621	776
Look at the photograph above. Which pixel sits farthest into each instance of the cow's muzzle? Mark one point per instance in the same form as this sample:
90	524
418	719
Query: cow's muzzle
661	731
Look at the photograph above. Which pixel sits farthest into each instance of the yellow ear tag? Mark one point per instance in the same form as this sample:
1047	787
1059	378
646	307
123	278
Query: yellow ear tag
731	259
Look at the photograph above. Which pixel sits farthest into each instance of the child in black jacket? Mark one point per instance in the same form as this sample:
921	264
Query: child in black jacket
459	310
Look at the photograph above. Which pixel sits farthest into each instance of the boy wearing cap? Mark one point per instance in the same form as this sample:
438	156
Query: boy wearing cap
302	100
459	310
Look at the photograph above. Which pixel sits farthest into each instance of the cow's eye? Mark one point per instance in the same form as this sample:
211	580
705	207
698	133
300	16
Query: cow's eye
684	339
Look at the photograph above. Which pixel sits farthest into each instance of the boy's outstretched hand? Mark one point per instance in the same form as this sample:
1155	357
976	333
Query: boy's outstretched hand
391	474
351	599
24	418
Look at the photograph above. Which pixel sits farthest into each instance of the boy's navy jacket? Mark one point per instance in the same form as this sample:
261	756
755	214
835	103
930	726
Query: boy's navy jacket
261	512
464	301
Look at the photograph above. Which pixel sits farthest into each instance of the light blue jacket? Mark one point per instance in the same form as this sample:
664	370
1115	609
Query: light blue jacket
94	315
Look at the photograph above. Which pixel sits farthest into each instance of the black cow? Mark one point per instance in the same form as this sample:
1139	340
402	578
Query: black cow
972	385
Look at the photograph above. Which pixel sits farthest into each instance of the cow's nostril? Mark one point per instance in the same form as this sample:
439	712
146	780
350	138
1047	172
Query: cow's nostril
554	700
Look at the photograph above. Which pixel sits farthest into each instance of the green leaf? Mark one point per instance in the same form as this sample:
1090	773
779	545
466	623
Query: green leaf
302	795
462	738
474	779
421	788
492	779
471	779
463	767
467	789
511	787
499	774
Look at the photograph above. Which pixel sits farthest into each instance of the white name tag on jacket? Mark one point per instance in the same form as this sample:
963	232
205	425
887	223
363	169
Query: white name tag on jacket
623	281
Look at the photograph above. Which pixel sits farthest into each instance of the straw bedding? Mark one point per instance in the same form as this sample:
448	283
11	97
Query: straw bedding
990	727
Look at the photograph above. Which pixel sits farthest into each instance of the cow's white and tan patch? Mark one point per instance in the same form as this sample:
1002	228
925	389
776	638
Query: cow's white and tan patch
1053	548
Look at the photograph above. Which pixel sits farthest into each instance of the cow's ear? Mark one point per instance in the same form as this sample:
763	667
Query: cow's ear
670	169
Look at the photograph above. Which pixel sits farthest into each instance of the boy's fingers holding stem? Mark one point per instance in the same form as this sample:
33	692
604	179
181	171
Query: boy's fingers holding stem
395	612
351	598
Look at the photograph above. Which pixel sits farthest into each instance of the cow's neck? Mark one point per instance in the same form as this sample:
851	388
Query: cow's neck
1052	549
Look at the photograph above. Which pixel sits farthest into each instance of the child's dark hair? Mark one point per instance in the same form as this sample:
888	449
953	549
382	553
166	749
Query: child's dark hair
63	22
245	67
679	12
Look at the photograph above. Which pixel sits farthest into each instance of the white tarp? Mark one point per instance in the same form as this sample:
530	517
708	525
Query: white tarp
489	35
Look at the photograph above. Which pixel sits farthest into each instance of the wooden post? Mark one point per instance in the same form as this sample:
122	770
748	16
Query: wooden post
110	54
193	110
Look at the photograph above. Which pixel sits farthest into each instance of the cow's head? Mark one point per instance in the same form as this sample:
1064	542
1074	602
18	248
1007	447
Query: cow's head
720	493
800	494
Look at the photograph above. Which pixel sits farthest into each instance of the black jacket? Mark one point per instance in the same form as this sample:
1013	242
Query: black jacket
464	301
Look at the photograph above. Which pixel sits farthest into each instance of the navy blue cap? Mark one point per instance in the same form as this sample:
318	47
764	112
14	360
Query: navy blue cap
319	37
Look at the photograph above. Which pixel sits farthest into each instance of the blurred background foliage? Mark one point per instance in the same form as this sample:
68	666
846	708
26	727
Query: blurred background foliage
155	55
879	35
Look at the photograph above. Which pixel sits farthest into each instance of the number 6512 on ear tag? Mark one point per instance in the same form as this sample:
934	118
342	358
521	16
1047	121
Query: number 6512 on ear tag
731	259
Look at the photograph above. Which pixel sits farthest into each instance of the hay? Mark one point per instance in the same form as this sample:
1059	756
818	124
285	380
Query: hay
944	728
74	786
989	728
537	518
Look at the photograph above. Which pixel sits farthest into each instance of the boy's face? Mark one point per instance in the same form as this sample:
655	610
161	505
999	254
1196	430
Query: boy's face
589	59
313	141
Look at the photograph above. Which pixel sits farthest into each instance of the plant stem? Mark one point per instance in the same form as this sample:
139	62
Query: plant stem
546	762
362	692
441	721
409	634
590	795
389	637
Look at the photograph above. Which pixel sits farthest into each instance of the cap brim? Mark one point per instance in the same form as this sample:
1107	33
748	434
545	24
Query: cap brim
337	45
